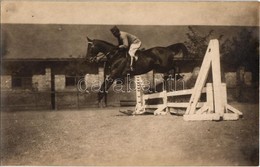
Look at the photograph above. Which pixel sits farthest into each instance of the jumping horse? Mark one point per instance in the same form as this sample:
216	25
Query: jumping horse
159	59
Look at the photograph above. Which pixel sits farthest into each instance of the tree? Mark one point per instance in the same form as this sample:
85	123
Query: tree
197	44
242	50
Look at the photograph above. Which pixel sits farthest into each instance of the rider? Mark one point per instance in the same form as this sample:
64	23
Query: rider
127	41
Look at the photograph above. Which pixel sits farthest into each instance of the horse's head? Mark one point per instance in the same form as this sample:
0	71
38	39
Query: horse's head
92	51
99	50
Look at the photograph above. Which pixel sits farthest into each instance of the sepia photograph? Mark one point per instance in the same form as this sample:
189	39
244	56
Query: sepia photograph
122	83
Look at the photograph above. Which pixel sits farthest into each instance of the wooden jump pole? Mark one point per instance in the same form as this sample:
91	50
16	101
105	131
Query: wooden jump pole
215	107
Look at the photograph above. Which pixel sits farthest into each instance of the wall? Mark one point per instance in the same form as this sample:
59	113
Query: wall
59	82
38	97
87	96
42	82
39	82
81	95
6	82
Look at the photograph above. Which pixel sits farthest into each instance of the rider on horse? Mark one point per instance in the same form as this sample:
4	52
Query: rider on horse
127	41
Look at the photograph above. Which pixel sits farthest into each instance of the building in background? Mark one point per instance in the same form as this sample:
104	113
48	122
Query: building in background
42	64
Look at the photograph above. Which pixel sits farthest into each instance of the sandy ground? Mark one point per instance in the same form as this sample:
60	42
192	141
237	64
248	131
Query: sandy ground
107	137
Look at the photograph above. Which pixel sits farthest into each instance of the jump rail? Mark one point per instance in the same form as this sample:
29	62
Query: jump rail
215	107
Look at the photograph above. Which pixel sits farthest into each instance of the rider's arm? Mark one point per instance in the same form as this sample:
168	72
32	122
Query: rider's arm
119	41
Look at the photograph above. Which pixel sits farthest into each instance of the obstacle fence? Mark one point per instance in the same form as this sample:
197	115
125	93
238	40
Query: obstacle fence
214	108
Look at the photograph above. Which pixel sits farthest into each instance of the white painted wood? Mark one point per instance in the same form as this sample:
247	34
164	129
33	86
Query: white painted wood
183	92
210	100
216	74
234	110
201	80
159	110
183	105
214	108
154	95
138	85
204	109
230	117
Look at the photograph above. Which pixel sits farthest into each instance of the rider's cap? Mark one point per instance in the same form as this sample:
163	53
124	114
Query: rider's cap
114	29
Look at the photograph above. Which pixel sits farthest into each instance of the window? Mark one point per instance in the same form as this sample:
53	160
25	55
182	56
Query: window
16	82
70	81
21	82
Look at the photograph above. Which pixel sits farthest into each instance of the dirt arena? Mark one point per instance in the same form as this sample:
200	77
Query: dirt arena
107	137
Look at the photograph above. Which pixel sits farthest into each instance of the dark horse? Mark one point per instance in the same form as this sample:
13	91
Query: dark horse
178	50
159	59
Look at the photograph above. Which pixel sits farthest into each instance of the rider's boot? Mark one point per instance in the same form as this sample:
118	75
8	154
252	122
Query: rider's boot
136	58
131	63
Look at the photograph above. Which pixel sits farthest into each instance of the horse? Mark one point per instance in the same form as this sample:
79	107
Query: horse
179	50
159	59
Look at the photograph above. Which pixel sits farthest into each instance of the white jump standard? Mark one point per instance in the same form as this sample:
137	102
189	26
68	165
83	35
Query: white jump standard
215	107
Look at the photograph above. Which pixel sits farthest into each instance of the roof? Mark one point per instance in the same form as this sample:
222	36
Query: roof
52	41
56	41
43	41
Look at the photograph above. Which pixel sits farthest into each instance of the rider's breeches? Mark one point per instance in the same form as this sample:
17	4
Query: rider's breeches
134	47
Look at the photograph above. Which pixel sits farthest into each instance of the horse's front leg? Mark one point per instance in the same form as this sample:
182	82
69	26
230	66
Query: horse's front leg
103	91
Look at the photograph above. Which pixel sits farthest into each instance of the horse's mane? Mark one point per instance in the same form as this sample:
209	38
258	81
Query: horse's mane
121	55
105	42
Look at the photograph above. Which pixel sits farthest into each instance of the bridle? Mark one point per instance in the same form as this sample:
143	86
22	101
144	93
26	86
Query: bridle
95	58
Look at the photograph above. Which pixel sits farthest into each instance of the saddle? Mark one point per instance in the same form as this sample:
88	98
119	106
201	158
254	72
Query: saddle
136	54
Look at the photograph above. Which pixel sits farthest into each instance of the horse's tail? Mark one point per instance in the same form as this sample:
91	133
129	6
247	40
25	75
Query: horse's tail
179	47
184	49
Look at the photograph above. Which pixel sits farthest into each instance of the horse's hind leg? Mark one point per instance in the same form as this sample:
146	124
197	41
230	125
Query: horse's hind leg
169	79
100	99
102	103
